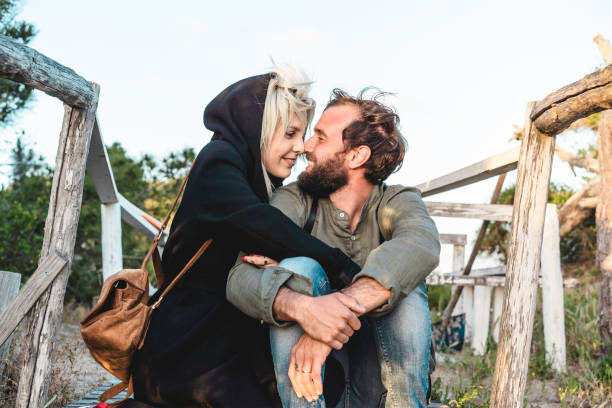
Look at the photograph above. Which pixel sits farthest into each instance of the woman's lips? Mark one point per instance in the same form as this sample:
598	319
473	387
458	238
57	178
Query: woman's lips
289	161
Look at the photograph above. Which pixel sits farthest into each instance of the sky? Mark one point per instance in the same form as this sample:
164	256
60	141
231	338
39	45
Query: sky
462	72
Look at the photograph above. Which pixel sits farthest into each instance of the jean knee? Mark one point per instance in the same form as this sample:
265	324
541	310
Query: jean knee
311	269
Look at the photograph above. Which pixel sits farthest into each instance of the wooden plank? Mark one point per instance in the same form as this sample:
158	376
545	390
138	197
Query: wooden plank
99	167
523	267
21	304
453	239
92	398
9	287
490	212
490	167
482	313
134	217
20	63
603	217
112	253
483	280
60	234
552	292
561	108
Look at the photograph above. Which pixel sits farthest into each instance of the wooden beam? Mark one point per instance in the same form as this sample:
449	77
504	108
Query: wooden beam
453	239
449	279
99	167
60	234
134	216
494	165
40	280
491	212
20	63
558	110
523	267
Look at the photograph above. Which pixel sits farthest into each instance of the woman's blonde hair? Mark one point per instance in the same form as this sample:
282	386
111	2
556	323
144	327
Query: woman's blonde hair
287	95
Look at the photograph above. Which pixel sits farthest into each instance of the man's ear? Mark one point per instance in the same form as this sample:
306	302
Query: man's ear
358	156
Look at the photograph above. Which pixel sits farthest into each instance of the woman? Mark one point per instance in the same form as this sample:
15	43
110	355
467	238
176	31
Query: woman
200	350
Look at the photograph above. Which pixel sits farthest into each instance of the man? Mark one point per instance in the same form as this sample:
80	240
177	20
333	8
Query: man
356	145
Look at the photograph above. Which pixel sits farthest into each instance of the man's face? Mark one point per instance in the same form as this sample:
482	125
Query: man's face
327	170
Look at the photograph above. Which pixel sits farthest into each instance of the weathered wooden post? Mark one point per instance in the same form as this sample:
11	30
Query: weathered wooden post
23	64
553	114
604	228
552	292
523	266
603	212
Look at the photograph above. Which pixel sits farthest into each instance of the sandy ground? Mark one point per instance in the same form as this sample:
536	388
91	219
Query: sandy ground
76	367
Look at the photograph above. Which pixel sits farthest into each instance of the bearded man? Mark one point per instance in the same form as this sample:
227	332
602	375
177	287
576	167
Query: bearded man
375	324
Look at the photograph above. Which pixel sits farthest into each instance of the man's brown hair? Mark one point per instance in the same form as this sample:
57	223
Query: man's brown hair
377	128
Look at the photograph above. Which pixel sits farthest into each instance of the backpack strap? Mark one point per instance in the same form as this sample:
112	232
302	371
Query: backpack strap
312	215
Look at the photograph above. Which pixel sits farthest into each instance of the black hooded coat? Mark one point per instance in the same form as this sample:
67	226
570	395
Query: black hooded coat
200	350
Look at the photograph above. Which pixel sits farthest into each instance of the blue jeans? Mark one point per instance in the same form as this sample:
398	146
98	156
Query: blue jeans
386	360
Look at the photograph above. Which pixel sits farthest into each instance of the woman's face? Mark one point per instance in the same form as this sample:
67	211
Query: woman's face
285	148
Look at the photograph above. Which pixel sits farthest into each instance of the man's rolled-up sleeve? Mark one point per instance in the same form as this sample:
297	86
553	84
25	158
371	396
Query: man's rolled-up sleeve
411	249
253	290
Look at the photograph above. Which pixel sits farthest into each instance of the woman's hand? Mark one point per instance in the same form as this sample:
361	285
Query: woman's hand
259	261
307	358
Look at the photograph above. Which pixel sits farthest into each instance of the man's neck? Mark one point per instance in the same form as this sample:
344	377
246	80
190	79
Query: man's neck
351	199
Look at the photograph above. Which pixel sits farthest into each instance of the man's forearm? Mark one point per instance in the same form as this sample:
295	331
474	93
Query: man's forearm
287	304
368	292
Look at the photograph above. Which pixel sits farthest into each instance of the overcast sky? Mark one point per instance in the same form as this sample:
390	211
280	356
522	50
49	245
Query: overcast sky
462	72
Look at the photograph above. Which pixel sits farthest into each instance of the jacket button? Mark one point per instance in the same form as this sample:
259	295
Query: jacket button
352	237
341	215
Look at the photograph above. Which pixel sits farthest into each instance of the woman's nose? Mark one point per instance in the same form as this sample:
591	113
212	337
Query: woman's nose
298	146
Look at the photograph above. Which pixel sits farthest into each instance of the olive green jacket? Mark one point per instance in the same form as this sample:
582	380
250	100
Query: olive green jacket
395	216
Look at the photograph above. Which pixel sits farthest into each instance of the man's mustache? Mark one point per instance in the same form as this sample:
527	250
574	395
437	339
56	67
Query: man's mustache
310	157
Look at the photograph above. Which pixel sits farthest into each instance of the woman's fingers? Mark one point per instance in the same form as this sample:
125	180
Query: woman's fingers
259	260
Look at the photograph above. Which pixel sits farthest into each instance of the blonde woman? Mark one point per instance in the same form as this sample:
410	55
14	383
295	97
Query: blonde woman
200	349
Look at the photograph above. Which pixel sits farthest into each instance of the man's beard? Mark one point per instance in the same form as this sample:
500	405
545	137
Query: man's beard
324	178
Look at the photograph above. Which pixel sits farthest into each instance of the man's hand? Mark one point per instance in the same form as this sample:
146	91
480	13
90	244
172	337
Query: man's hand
307	358
331	319
260	261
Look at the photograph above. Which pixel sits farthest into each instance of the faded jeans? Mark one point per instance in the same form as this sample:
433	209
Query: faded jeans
385	363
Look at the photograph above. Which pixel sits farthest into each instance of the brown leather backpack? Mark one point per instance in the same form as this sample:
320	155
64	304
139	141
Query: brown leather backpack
117	325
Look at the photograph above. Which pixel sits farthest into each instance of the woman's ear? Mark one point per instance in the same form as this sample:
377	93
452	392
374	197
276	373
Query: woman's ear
358	156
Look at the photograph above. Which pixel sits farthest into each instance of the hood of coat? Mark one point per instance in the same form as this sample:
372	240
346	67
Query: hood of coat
235	116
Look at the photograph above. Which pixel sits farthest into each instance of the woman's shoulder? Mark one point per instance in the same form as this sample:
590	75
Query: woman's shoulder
218	152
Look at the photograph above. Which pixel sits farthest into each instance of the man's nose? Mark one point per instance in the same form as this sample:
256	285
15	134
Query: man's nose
308	144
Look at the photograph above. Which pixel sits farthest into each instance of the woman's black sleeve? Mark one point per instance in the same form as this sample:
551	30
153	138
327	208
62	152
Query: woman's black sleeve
226	202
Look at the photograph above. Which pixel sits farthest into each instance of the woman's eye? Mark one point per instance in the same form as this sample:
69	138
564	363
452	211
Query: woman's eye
290	134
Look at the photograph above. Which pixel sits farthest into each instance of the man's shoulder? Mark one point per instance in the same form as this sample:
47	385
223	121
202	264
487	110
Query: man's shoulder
400	192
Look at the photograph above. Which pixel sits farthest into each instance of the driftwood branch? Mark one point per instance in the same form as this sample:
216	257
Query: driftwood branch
578	207
573	160
604	48
560	109
22	64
